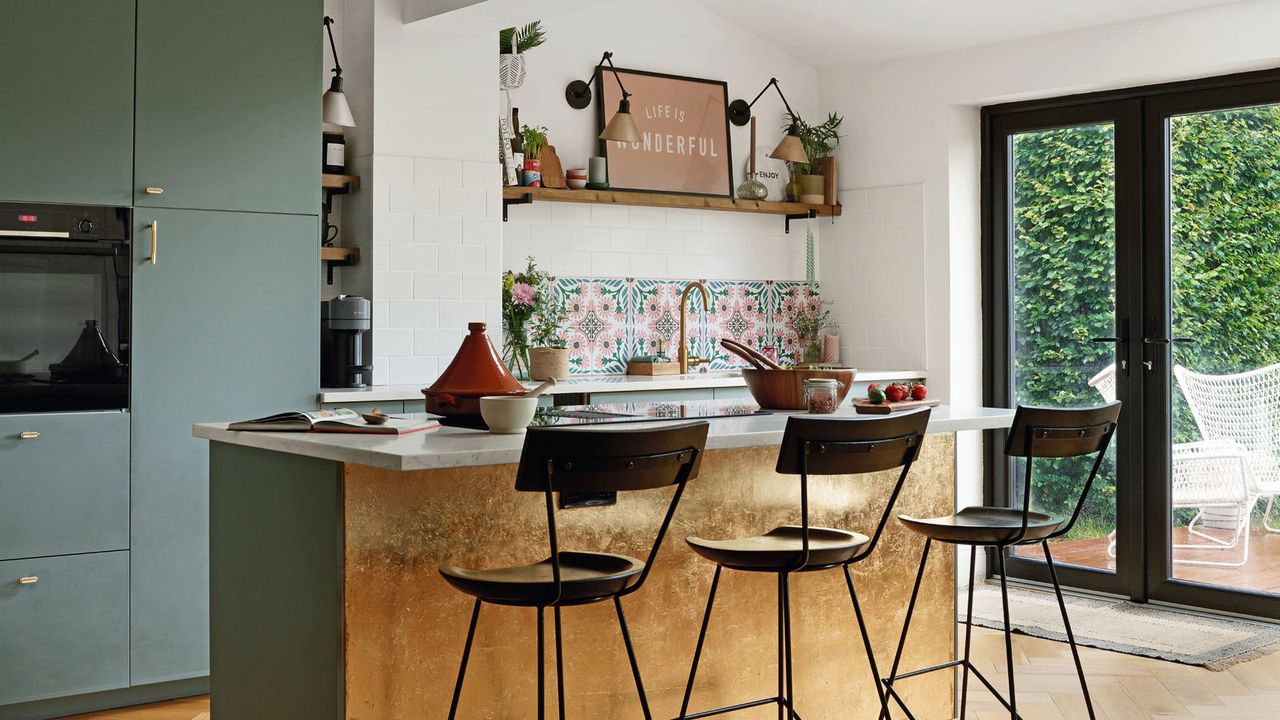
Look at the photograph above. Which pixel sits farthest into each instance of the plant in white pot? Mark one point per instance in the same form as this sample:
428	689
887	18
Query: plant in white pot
513	43
820	142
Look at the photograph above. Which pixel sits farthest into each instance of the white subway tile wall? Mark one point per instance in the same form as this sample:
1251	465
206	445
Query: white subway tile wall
610	241
871	271
437	262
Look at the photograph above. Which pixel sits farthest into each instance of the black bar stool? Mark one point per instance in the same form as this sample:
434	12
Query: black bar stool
573	461
1036	433
813	446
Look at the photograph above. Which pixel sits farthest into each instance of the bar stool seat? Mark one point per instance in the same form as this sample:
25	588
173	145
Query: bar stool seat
782	548
585	576
983	525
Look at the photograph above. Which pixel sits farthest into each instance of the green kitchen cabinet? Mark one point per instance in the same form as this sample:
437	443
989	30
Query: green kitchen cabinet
228	105
66	67
226	325
64	484
65	626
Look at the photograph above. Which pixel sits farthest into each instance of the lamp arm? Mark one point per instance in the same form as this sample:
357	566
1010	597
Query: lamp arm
608	57
774	83
328	26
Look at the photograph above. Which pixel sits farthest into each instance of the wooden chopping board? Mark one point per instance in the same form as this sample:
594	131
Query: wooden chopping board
863	406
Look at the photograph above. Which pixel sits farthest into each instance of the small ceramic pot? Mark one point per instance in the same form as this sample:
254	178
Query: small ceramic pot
549	363
507	415
532	172
813	189
577	178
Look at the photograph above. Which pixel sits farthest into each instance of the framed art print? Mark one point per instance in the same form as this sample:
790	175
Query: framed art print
684	125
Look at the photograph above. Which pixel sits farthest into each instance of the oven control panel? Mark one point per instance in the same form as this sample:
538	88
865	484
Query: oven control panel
74	222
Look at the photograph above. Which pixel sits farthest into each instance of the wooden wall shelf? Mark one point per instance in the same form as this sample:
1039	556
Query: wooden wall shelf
333	181
789	210
333	257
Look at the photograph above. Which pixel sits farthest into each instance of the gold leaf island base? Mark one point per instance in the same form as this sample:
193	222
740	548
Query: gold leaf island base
326	601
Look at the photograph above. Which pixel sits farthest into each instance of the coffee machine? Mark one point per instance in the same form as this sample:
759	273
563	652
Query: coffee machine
343	322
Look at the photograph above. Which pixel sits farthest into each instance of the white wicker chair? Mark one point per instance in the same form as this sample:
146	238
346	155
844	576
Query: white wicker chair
1243	407
1214	473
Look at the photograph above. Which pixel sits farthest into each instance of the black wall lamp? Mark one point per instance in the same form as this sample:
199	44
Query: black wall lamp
790	149
336	109
621	127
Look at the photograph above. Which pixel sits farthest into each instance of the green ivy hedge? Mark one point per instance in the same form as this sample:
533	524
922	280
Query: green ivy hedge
1226	268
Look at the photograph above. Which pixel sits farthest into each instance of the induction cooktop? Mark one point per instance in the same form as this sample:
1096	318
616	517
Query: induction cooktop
644	412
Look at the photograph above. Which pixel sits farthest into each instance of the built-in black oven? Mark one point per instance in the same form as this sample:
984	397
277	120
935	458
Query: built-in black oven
64	308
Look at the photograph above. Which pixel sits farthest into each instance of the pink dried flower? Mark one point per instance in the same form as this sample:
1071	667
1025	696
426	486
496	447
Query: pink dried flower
522	294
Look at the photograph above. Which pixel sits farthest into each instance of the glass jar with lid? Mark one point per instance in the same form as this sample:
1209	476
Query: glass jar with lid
822	395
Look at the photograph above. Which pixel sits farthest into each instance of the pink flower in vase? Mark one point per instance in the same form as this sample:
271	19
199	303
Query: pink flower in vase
522	294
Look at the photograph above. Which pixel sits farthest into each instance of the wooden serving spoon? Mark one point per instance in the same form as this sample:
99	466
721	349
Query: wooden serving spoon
758	360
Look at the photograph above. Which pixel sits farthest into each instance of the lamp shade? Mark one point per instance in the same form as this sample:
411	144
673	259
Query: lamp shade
622	127
790	149
336	109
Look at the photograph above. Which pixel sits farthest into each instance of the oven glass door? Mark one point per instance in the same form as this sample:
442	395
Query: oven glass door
64	325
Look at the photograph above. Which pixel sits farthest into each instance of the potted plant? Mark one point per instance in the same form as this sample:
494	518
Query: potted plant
810	318
528	304
549	356
535	139
513	43
820	142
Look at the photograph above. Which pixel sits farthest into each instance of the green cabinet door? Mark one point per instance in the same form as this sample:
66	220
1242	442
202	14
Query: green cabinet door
66	120
226	326
228	105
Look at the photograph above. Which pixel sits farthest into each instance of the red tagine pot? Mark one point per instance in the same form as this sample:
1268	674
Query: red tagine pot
476	371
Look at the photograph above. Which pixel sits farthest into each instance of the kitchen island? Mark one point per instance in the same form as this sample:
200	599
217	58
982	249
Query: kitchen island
326	602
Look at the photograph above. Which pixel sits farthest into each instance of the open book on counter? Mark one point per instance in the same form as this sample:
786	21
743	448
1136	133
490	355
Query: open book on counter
339	420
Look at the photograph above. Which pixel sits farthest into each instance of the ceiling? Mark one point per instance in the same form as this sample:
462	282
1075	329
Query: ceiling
839	32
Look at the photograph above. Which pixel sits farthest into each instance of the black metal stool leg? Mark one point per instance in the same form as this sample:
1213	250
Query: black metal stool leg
902	641
631	654
1008	635
466	655
786	618
968	632
866	639
1066	622
559	665
542	671
782	660
702	636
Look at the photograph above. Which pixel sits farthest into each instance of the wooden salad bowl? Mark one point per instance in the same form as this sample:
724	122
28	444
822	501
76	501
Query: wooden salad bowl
784	389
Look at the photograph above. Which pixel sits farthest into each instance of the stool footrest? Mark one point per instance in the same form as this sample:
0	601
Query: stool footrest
888	682
740	706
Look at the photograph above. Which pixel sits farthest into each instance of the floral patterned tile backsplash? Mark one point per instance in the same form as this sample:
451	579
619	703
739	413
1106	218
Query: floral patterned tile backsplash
608	321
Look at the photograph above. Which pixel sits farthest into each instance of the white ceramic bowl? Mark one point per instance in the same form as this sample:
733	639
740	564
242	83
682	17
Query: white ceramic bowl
506	414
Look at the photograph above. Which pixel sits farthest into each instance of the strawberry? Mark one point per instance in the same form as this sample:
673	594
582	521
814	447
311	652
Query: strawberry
897	392
919	391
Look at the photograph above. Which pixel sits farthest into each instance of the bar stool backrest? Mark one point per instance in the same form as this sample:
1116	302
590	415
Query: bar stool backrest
583	461
848	446
1041	432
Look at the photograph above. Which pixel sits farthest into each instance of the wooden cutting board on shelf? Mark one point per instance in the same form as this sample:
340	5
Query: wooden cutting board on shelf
863	406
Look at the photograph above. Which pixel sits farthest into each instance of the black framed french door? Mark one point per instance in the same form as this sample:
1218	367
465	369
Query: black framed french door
1126	234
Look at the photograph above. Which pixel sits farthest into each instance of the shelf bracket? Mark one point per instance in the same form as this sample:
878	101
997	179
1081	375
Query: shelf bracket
329	265
526	199
809	215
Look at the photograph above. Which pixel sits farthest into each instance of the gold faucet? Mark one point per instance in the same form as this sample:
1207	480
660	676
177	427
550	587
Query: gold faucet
685	359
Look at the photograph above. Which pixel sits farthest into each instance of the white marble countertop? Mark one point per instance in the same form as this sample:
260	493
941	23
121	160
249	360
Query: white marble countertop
455	447
588	384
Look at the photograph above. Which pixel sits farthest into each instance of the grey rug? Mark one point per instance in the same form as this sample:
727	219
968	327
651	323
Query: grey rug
1134	629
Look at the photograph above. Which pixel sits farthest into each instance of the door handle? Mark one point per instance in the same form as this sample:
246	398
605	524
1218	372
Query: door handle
1109	339
155	240
153	190
28	434
1170	341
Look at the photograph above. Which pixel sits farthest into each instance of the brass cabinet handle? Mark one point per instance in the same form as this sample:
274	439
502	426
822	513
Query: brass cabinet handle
28	435
155	190
28	580
155	240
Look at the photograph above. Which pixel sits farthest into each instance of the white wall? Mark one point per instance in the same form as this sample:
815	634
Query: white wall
917	121
664	36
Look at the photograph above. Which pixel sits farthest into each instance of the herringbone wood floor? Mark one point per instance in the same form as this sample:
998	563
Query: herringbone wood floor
1124	687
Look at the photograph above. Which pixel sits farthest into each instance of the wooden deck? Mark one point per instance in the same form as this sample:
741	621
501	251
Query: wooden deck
1260	573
